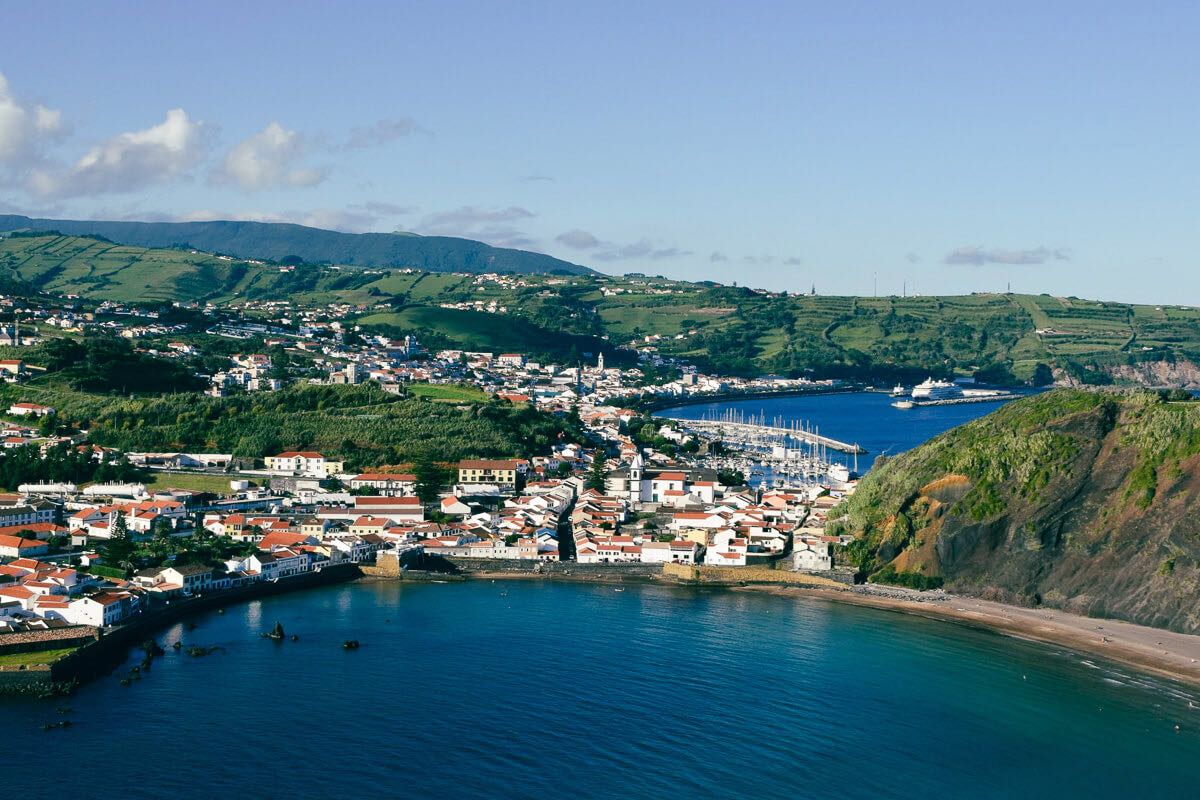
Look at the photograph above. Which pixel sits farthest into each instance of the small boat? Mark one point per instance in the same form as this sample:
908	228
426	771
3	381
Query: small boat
350	644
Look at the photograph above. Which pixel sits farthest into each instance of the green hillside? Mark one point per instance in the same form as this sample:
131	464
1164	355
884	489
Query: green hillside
363	425
1081	500
276	240
481	331
1000	338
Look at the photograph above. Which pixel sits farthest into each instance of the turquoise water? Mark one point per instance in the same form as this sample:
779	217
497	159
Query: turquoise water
863	418
535	690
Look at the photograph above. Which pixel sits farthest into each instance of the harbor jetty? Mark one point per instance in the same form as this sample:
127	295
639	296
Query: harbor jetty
733	426
992	397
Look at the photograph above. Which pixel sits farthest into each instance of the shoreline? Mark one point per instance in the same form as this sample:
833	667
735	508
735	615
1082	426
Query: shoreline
1153	651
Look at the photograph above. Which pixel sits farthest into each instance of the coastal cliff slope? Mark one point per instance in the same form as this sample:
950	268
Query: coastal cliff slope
1085	501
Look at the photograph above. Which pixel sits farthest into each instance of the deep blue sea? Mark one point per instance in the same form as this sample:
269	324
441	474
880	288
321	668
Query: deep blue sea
863	418
538	690
541	690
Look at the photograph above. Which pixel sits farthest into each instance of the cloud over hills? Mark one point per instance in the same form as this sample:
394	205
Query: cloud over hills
977	256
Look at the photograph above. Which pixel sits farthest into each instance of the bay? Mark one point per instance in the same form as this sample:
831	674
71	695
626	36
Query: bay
524	689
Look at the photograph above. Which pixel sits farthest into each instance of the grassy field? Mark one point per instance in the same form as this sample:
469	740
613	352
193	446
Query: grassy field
30	659
447	393
195	482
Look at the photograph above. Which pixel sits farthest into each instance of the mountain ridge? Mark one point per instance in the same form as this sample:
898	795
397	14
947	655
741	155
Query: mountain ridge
278	240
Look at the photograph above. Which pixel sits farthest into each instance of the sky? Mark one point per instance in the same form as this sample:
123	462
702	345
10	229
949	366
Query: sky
927	147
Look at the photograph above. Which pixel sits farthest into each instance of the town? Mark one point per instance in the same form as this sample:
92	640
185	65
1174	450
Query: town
634	490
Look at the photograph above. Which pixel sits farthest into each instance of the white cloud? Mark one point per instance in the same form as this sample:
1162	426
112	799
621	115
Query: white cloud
380	133
578	239
268	160
349	220
47	120
492	225
24	129
978	256
642	248
129	161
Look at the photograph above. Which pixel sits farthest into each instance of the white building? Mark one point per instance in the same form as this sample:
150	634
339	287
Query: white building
305	463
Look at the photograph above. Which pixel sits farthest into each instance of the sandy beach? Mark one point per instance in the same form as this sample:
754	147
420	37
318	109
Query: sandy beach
1152	650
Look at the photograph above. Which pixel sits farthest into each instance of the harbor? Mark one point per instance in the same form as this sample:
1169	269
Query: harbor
734	425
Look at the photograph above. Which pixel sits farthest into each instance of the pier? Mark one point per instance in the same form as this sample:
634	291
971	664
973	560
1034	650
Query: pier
735	427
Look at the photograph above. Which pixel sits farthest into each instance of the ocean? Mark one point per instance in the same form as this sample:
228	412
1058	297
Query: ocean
529	689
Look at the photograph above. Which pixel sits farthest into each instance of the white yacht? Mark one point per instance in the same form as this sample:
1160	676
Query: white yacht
899	391
936	390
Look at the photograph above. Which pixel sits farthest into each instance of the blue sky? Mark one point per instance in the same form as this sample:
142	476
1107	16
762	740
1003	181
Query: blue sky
949	146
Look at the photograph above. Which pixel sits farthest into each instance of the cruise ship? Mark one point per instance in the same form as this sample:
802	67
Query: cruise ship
936	390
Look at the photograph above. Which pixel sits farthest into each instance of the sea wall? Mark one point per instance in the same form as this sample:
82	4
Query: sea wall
736	576
25	679
390	565
110	649
550	568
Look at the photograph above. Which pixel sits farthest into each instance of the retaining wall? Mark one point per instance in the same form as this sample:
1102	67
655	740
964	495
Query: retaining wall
32	641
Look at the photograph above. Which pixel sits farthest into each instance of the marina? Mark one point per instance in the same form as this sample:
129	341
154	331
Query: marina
733	425
754	428
779	453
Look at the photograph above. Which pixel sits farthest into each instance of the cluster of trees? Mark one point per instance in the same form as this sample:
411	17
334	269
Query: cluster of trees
109	364
360	424
127	554
61	464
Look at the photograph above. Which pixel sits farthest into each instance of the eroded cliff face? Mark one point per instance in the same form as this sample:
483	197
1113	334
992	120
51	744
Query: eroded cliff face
1180	373
1106	525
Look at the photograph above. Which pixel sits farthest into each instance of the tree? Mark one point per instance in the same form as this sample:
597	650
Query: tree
598	475
731	477
430	477
119	550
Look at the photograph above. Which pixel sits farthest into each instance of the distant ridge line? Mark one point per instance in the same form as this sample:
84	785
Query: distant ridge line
278	240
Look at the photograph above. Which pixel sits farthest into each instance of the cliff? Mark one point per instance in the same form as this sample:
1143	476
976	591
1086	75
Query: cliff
1085	501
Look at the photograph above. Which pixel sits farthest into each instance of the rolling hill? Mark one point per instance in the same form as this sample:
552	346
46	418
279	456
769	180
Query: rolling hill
1000	338
277	240
1085	501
